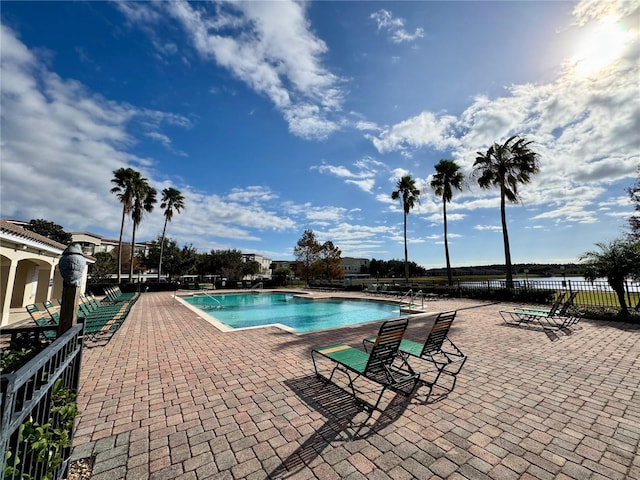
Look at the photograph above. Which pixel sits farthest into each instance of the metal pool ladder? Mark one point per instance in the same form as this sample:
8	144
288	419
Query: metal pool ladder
216	307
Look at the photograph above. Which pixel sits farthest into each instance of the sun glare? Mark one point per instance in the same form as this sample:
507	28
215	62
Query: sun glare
602	46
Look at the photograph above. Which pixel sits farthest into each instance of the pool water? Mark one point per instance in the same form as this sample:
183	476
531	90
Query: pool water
301	314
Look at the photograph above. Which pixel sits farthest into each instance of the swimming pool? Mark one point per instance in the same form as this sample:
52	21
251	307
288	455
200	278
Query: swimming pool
302	314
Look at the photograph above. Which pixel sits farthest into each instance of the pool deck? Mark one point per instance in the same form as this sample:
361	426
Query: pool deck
172	397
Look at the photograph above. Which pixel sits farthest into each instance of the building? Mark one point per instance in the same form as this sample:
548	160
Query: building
92	243
355	266
28	269
264	262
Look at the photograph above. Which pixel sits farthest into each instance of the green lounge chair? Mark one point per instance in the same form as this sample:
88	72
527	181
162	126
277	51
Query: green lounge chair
553	309
437	349
115	295
382	365
556	317
42	318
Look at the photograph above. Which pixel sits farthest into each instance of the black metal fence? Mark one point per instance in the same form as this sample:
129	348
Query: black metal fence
26	396
594	296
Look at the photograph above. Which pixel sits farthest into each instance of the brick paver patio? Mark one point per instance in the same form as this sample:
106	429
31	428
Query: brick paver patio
171	397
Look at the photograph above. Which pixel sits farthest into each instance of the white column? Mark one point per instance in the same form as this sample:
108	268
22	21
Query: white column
6	300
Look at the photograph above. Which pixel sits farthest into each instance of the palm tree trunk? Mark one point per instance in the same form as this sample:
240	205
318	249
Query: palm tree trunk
120	245
164	230
505	238
618	287
446	243
133	243
406	256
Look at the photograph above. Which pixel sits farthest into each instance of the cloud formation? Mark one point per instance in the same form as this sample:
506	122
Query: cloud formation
266	45
60	136
585	127
394	26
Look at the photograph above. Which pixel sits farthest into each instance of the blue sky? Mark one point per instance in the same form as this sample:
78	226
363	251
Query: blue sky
276	117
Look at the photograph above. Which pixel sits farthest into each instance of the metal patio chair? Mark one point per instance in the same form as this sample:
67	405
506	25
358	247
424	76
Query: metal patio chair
437	349
382	365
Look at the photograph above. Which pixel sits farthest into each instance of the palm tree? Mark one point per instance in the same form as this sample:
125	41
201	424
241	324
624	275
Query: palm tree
172	199
144	198
617	261
447	177
123	179
410	195
506	166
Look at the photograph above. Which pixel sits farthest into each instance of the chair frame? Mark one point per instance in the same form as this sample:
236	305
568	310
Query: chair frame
553	318
437	349
382	365
49	325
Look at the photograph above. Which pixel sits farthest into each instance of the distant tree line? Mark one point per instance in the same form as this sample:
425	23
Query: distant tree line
393	269
177	261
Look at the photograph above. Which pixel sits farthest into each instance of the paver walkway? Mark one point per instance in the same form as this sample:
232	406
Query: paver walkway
171	397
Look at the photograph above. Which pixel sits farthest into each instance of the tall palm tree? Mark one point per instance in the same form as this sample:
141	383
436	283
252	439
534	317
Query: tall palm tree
506	166
124	180
410	194
144	198
172	200
447	177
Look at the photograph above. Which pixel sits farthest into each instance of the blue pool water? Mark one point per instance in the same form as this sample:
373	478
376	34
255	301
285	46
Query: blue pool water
304	315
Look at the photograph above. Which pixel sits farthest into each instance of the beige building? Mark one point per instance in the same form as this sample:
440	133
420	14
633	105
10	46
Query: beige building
28	270
354	266
92	243
264	262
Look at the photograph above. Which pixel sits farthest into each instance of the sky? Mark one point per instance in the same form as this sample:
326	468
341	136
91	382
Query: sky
276	117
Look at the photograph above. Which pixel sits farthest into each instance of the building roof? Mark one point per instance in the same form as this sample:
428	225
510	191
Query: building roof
7	227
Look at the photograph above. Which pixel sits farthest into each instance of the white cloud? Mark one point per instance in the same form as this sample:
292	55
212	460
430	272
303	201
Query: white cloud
586	11
490	228
268	46
358	240
394	26
425	129
251	194
58	135
585	129
366	126
363	176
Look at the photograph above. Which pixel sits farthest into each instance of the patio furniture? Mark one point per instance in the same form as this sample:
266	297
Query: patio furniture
115	295
382	365
42	318
437	349
554	318
97	321
555	306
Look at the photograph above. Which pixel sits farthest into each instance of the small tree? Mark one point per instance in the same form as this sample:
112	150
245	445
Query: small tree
307	252
250	268
329	260
282	275
103	267
616	261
